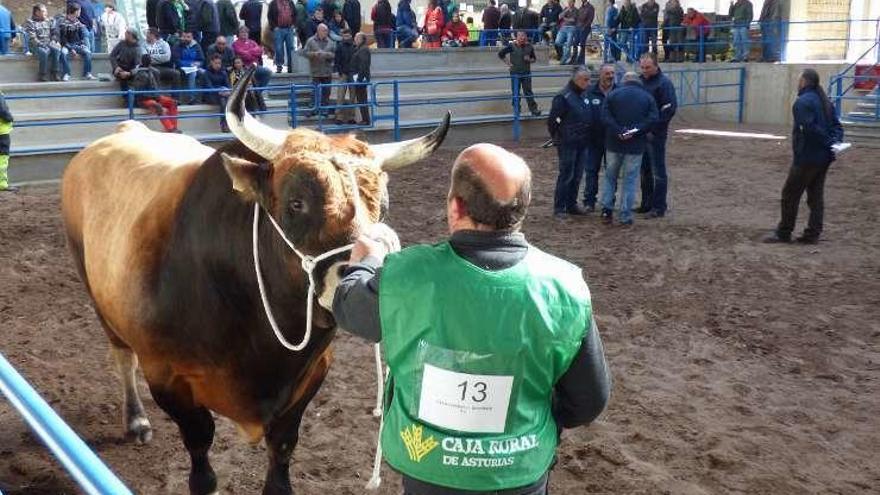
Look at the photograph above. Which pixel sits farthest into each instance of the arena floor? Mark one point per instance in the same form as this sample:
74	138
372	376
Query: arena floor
739	367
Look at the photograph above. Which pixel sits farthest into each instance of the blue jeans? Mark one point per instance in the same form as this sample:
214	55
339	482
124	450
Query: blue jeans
49	59
90	40
83	51
740	43
191	83
284	47
406	36
628	164
572	160
564	39
4	44
612	50
385	40
580	43
595	153
770	40
626	39
654	179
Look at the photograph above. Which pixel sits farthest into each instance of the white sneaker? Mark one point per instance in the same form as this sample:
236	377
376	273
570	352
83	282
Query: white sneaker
90	77
66	77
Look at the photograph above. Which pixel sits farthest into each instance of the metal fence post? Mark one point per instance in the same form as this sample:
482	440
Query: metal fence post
292	105
396	110
130	97
701	51
838	95
514	78
742	95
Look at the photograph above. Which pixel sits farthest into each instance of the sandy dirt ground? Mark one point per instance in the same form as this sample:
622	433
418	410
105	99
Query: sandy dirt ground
739	367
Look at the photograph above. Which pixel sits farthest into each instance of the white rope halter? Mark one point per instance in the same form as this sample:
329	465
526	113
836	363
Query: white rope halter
308	264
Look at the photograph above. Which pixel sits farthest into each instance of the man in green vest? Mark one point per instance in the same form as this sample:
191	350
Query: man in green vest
5	131
490	341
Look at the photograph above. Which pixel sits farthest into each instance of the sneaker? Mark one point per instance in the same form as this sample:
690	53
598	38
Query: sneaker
807	239
90	77
278	69
65	77
775	238
643	209
607	216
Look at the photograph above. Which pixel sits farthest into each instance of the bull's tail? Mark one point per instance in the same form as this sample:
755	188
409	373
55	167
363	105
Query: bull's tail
131	126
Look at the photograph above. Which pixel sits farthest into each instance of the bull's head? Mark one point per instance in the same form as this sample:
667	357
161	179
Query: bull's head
304	179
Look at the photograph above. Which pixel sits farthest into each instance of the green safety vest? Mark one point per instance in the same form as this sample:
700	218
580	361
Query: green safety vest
474	356
5	127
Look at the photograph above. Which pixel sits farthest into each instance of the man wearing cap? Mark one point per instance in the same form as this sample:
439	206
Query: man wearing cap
491	342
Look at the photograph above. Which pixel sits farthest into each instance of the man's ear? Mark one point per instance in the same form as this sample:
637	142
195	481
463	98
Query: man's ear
247	177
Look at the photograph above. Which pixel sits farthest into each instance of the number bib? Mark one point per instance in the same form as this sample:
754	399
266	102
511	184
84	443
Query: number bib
464	402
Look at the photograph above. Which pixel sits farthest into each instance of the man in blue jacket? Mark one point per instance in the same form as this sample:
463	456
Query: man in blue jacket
816	129
654	177
629	113
189	59
597	94
612	22
572	123
407	27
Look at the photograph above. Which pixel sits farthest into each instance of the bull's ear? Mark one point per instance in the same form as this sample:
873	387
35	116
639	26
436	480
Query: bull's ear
246	176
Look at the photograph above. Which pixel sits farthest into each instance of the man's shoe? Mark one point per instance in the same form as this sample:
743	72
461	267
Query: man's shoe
655	214
577	211
536	113
90	77
774	238
642	209
9	189
807	239
627	223
560	215
278	69
65	77
588	208
607	216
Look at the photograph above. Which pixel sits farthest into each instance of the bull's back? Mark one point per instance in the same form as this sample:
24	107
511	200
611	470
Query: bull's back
119	197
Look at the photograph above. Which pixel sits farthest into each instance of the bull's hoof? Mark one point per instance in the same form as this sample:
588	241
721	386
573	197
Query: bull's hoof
139	430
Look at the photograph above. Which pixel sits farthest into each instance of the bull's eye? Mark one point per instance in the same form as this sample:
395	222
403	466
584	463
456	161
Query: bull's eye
297	205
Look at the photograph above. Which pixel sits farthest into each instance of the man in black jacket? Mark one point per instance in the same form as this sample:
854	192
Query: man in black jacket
351	12
360	67
252	15
342	65
486	205
124	58
596	152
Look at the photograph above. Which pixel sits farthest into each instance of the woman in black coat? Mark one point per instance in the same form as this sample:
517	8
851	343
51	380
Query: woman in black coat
816	129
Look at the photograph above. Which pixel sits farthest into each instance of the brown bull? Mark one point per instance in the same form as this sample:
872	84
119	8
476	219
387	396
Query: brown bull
160	229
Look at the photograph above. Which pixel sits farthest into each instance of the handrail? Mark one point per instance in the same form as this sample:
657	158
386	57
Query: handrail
80	461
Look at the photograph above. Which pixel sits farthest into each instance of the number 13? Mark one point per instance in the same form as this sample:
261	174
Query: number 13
478	396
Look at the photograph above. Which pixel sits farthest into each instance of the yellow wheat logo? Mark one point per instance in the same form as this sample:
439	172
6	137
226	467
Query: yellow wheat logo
416	446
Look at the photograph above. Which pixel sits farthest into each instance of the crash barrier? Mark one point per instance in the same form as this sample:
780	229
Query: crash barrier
387	99
78	459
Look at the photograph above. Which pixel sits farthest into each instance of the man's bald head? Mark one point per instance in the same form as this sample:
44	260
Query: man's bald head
493	186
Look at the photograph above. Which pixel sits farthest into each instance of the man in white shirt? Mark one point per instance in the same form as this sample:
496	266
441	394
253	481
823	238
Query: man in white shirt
160	58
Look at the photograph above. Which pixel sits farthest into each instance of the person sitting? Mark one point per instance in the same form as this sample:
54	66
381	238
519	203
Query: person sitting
216	79
160	59
72	37
251	54
253	101
124	58
698	32
407	28
221	48
38	30
188	59
146	78
336	25
550	13
456	33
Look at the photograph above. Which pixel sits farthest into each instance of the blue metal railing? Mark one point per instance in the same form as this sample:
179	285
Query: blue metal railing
387	99
840	94
80	461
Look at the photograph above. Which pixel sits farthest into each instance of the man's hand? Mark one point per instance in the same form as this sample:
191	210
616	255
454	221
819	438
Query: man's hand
378	242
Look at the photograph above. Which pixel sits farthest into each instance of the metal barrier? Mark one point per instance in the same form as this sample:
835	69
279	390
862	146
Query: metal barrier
80	461
842	85
385	99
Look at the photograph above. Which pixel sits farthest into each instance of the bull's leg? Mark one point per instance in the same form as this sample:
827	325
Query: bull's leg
134	419
197	430
282	435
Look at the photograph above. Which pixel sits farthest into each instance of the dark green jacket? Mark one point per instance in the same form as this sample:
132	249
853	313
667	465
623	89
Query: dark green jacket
228	19
521	57
741	13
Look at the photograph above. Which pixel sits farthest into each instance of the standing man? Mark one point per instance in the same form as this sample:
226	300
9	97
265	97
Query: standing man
7	28
649	13
252	15
771	30
629	26
628	114
321	50
505	382
654	176
342	64
566	38
407	26
351	12
360	66
282	22
673	32
585	16
38	30
5	143
741	14
228	19
383	24
207	21
521	56
816	129
550	20
596	152
612	23
491	20
572	123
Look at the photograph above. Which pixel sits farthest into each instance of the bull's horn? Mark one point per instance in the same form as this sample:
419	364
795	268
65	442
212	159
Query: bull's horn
257	136
392	156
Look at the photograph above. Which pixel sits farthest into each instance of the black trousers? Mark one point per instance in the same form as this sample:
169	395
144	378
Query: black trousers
809	178
412	486
325	92
525	84
360	97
